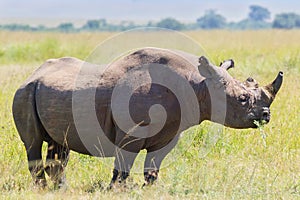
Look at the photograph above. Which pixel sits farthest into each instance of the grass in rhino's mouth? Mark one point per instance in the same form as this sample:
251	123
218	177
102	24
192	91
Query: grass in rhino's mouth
260	125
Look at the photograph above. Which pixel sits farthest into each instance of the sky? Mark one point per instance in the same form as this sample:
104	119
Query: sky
43	11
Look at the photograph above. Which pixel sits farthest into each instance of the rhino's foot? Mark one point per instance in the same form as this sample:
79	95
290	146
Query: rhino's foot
38	175
40	183
118	179
60	184
150	177
56	172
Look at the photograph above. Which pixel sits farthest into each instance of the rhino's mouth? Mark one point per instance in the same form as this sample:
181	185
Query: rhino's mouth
259	116
259	123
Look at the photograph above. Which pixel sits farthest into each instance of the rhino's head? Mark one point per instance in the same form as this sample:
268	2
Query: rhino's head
237	104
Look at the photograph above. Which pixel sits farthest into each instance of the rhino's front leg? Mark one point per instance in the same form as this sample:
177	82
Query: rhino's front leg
127	149
152	164
151	167
118	177
122	165
154	159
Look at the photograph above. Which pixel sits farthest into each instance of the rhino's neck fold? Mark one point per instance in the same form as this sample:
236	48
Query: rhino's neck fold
203	97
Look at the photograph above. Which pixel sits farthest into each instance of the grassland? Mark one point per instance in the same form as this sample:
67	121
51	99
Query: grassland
244	164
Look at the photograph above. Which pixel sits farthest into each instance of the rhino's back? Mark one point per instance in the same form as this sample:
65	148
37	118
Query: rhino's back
180	62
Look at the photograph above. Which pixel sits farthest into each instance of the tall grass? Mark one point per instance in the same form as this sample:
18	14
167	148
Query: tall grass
244	164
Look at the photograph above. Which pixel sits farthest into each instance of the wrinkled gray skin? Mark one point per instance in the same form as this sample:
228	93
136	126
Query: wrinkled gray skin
42	109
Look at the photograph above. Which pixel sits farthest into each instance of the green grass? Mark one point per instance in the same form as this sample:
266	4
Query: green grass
244	164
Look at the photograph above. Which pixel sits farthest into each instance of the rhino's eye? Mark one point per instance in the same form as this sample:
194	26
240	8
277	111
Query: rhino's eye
244	98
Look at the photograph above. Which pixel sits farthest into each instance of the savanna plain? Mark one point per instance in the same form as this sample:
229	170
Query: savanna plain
261	163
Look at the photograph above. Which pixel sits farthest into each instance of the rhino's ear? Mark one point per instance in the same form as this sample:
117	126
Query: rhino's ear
206	69
227	64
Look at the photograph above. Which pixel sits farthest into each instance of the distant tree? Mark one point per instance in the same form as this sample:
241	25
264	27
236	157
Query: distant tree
41	28
102	22
256	19
258	13
127	25
191	26
298	22
286	21
211	20
93	25
170	23
17	27
247	24
151	24
66	27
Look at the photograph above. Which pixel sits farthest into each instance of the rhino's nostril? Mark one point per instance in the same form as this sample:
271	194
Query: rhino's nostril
266	116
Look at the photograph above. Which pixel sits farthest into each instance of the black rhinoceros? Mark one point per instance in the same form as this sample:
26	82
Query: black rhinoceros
61	100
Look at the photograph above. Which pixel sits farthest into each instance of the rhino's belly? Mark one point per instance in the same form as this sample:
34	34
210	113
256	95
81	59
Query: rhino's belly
72	122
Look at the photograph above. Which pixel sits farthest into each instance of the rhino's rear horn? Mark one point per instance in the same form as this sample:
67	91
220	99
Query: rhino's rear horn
274	87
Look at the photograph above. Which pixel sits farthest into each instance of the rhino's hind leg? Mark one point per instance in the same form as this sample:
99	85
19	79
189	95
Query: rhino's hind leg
57	159
30	130
35	163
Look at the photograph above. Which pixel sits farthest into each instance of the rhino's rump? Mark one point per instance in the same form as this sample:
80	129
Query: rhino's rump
56	114
55	104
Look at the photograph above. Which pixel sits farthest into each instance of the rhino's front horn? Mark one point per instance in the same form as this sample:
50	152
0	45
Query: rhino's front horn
274	87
